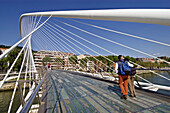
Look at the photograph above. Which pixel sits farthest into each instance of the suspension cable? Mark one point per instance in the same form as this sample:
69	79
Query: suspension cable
94	64
11	48
86	41
82	49
113	53
84	46
16	84
26	73
57	42
112	61
53	45
113	41
122	33
62	44
133	62
2	82
53	41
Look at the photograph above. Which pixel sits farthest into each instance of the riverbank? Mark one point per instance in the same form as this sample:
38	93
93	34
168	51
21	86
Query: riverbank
155	79
10	86
142	71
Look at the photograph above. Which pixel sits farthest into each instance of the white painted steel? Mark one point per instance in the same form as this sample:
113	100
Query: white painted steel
2	82
155	85
122	33
152	16
27	97
15	45
16	83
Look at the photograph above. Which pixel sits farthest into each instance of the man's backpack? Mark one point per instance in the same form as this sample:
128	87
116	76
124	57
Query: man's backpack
124	68
133	71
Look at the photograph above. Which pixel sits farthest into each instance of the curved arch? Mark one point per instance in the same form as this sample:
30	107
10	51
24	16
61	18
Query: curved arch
152	16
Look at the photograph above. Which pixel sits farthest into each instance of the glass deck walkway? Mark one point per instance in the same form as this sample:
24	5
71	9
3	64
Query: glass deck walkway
76	93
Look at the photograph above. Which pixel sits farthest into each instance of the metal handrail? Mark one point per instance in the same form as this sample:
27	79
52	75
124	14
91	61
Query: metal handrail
28	104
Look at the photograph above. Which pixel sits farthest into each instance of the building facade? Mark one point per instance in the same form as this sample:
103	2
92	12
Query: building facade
82	56
55	57
146	60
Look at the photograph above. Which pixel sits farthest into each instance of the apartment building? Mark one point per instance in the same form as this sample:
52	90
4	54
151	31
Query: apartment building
53	55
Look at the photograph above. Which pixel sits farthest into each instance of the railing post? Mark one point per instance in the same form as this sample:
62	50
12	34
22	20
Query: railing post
39	100
28	104
21	93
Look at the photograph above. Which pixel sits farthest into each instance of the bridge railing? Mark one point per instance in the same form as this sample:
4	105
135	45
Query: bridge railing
29	103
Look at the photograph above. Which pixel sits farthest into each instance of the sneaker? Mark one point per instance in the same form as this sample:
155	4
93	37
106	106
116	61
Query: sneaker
131	96
122	97
125	97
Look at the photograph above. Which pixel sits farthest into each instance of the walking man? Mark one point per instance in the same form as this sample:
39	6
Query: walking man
48	67
123	78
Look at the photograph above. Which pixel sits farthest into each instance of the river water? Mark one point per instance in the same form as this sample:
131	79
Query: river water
6	95
5	98
158	80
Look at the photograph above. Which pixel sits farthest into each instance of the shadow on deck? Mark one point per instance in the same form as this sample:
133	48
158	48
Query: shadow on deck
73	92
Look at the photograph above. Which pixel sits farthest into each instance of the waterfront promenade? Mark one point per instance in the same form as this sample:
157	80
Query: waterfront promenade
66	91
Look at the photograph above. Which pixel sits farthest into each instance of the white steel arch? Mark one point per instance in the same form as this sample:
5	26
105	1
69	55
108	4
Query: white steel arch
152	16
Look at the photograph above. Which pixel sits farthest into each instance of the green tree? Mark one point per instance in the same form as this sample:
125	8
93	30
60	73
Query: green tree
73	59
92	59
83	62
4	64
131	59
165	58
12	56
113	58
60	62
99	58
46	60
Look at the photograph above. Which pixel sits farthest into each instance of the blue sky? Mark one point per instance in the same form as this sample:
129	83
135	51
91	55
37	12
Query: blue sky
10	11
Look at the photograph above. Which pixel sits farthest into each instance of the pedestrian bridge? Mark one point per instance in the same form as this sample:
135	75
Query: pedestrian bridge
67	91
85	84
